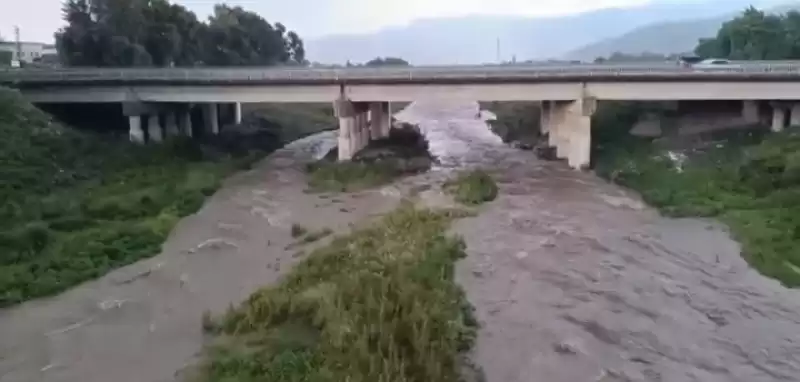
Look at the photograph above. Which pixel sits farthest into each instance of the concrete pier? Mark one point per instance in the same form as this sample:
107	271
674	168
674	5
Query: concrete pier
211	115
379	120
544	117
750	112
135	132
778	118
171	125
237	113
354	129
569	127
794	115
186	123
154	131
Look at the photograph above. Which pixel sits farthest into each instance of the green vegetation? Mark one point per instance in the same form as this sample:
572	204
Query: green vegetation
291	121
387	61
76	205
473	188
379	304
326	176
515	120
755	35
749	180
404	152
157	33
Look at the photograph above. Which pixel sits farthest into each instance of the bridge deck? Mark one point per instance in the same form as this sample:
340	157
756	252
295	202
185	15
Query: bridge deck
755	71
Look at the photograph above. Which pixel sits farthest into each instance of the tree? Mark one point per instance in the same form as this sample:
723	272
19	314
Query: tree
157	33
238	37
388	61
755	35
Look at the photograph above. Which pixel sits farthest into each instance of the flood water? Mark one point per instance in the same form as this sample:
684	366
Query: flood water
572	279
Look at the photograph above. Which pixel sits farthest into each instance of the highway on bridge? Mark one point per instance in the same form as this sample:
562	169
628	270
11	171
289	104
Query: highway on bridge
754	70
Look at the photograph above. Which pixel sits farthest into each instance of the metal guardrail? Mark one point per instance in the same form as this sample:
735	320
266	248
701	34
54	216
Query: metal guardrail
665	70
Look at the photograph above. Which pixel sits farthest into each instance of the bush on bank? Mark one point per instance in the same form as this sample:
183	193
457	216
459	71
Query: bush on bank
380	304
76	205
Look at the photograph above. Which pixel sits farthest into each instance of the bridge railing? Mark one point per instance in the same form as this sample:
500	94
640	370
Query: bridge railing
297	74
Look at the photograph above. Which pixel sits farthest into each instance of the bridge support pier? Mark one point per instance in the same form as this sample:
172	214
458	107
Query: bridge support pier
211	117
778	118
186	123
569	127
794	115
354	130
750	112
237	113
154	131
171	124
135	132
345	112
544	118
380	120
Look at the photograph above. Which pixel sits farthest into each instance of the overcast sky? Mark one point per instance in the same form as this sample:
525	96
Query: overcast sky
39	19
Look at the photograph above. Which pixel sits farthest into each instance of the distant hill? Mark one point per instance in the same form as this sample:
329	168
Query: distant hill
474	39
662	38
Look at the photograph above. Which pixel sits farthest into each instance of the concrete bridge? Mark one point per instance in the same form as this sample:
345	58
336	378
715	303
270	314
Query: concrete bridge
163	97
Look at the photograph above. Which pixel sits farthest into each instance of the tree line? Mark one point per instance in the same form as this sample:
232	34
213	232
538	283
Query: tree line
157	33
755	35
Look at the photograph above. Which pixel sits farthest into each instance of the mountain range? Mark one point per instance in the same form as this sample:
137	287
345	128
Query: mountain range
657	27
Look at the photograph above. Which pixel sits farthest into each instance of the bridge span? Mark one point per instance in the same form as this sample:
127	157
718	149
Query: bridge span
568	93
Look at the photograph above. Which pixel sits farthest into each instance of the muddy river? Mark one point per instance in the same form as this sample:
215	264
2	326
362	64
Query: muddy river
572	279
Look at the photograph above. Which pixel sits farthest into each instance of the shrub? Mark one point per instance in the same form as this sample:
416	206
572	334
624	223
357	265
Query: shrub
473	188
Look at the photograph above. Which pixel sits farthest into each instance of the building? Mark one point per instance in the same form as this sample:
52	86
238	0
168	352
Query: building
29	51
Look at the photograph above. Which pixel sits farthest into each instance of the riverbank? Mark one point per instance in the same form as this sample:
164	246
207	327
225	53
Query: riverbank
79	204
747	179
743	177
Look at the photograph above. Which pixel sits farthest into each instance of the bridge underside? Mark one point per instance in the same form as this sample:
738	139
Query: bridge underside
156	111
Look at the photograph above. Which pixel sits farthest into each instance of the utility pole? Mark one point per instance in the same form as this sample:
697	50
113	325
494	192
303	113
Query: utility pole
19	43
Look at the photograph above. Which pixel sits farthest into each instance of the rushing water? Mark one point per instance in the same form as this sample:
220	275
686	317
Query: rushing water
574	279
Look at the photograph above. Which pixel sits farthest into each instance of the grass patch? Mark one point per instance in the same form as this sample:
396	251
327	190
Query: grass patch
379	304
748	180
472	188
326	176
76	205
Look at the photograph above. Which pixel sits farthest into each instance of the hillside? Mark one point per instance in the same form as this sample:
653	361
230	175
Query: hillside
471	40
662	38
